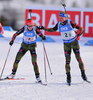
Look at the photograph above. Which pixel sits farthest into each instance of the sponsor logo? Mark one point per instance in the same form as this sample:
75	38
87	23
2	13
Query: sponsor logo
50	17
65	28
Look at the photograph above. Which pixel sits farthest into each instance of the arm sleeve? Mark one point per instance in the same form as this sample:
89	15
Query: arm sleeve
17	33
80	29
55	28
20	30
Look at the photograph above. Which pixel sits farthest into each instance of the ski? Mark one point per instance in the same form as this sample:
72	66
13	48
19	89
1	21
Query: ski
12	79
87	81
41	83
69	84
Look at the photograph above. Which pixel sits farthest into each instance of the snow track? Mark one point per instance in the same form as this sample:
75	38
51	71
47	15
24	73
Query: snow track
57	89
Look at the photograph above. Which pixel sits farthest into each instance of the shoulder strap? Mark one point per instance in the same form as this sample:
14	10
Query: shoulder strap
34	28
70	25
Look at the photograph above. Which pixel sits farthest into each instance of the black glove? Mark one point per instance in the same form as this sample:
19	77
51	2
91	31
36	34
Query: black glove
41	27
44	37
11	43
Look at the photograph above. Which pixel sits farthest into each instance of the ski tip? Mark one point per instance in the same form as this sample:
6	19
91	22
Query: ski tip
45	84
87	81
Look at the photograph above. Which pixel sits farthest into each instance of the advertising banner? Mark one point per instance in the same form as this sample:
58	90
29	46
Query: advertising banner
48	17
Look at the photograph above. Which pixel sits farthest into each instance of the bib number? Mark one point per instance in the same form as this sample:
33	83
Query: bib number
66	34
29	39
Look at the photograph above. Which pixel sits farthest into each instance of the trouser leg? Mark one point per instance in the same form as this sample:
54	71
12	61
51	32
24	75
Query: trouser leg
34	62
68	59
77	55
67	65
81	65
19	55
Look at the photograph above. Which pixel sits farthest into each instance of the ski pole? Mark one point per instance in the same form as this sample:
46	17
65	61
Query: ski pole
45	66
30	10
5	62
9	40
46	57
65	10
86	42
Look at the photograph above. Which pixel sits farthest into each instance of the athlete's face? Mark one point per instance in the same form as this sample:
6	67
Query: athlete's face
62	19
30	27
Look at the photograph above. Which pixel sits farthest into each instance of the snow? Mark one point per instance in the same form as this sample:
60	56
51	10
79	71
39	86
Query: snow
56	88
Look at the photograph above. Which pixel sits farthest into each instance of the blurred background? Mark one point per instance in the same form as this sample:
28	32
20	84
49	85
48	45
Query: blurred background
12	12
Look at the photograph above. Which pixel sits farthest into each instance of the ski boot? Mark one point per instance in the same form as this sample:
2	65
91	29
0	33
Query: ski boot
12	75
83	75
69	79
38	78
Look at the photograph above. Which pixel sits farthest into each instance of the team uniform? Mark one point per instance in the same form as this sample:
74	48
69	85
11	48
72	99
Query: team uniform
70	42
69	37
28	44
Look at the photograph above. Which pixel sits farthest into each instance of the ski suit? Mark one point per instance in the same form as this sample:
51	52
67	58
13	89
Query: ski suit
69	40
28	44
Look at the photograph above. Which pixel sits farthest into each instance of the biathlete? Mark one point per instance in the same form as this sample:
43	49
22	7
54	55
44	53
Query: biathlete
70	41
30	31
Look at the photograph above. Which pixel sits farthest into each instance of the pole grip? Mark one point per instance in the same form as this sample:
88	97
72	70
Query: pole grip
30	10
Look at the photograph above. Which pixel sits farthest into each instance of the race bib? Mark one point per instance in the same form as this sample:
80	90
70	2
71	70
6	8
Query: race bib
66	34
29	39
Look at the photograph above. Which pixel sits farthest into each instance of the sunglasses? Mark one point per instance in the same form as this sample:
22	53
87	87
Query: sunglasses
29	26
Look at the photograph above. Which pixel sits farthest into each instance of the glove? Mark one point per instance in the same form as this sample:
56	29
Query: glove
78	37
41	27
11	42
43	37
